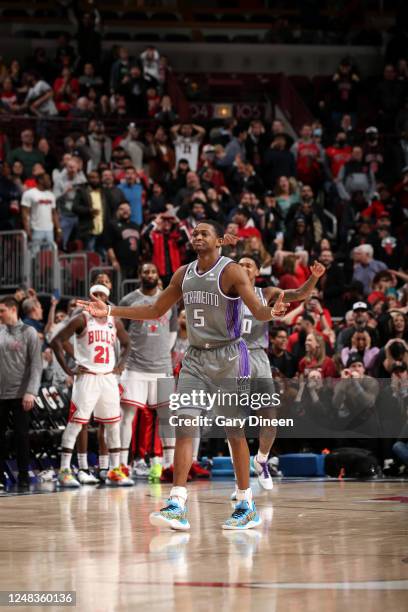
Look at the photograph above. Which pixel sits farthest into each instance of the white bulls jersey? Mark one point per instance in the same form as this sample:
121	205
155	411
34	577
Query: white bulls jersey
95	346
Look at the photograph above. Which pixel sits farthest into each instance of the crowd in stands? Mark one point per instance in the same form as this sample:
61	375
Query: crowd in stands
337	193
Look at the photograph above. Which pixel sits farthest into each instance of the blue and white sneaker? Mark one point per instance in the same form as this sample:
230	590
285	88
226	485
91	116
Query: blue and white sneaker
264	477
172	515
244	516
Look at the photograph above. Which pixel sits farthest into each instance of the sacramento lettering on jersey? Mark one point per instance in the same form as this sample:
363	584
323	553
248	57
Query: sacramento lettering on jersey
201	297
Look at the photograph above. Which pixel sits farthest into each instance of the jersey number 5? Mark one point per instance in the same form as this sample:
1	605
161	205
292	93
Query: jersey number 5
246	326
101	354
198	317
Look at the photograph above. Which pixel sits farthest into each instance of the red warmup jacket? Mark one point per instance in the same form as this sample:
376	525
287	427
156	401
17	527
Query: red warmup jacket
159	253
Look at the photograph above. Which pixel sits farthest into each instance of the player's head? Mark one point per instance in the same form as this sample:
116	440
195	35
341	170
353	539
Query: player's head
251	265
207	236
149	276
8	310
100	292
103	279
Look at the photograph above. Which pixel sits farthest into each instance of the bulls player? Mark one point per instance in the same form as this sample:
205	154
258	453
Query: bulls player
212	288
149	360
256	335
96	388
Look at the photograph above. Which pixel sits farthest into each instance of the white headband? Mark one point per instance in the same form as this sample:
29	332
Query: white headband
99	289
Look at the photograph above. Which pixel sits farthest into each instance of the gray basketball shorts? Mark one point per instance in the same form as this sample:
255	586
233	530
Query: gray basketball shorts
220	372
261	375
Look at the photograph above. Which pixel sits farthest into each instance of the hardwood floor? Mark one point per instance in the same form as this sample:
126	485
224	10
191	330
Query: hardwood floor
323	547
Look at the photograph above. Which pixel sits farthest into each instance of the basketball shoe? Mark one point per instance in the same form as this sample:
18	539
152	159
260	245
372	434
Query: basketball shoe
116	478
85	477
264	477
196	471
244	516
67	479
173	515
140	469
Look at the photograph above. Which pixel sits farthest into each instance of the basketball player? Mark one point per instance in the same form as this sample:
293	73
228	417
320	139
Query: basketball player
96	386
149	360
212	288
256	336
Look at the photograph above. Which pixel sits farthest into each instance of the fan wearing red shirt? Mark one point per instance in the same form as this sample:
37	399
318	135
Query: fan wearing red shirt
339	153
315	357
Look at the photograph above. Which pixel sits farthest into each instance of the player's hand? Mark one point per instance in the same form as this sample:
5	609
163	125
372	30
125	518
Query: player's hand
317	269
230	239
279	307
96	308
28	402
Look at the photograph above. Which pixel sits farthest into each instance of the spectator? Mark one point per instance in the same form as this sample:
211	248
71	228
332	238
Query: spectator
309	158
123	243
92	210
360	310
133	190
100	145
39	100
150	59
187	139
20	375
27	154
9	202
120	70
167	243
114	196
280	359
39	213
365	266
278	161
66	91
66	185
361	345
355	176
134	146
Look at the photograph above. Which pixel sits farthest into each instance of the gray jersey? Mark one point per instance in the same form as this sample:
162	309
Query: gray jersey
213	318
254	332
150	340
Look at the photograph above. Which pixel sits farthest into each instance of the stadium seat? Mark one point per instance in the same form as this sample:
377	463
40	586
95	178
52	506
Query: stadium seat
164	17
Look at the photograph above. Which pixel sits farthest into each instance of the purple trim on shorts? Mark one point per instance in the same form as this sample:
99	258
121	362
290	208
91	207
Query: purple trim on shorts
244	366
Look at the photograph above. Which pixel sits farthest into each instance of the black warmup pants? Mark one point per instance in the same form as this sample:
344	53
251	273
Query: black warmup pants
12	413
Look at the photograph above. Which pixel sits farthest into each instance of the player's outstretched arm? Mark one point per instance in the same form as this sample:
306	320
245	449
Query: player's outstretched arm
235	282
75	326
302	293
164	302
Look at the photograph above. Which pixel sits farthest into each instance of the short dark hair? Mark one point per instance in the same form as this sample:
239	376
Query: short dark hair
218	228
9	301
254	258
275	331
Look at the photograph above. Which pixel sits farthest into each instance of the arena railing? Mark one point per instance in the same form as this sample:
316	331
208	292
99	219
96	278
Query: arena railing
15	269
74	275
45	267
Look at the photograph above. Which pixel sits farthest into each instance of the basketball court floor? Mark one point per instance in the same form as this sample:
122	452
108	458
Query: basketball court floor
324	546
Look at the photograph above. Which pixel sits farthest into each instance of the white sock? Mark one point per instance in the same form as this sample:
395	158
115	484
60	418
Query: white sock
82	461
103	462
196	447
244	495
124	456
261	457
65	461
179	494
114	460
168	451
